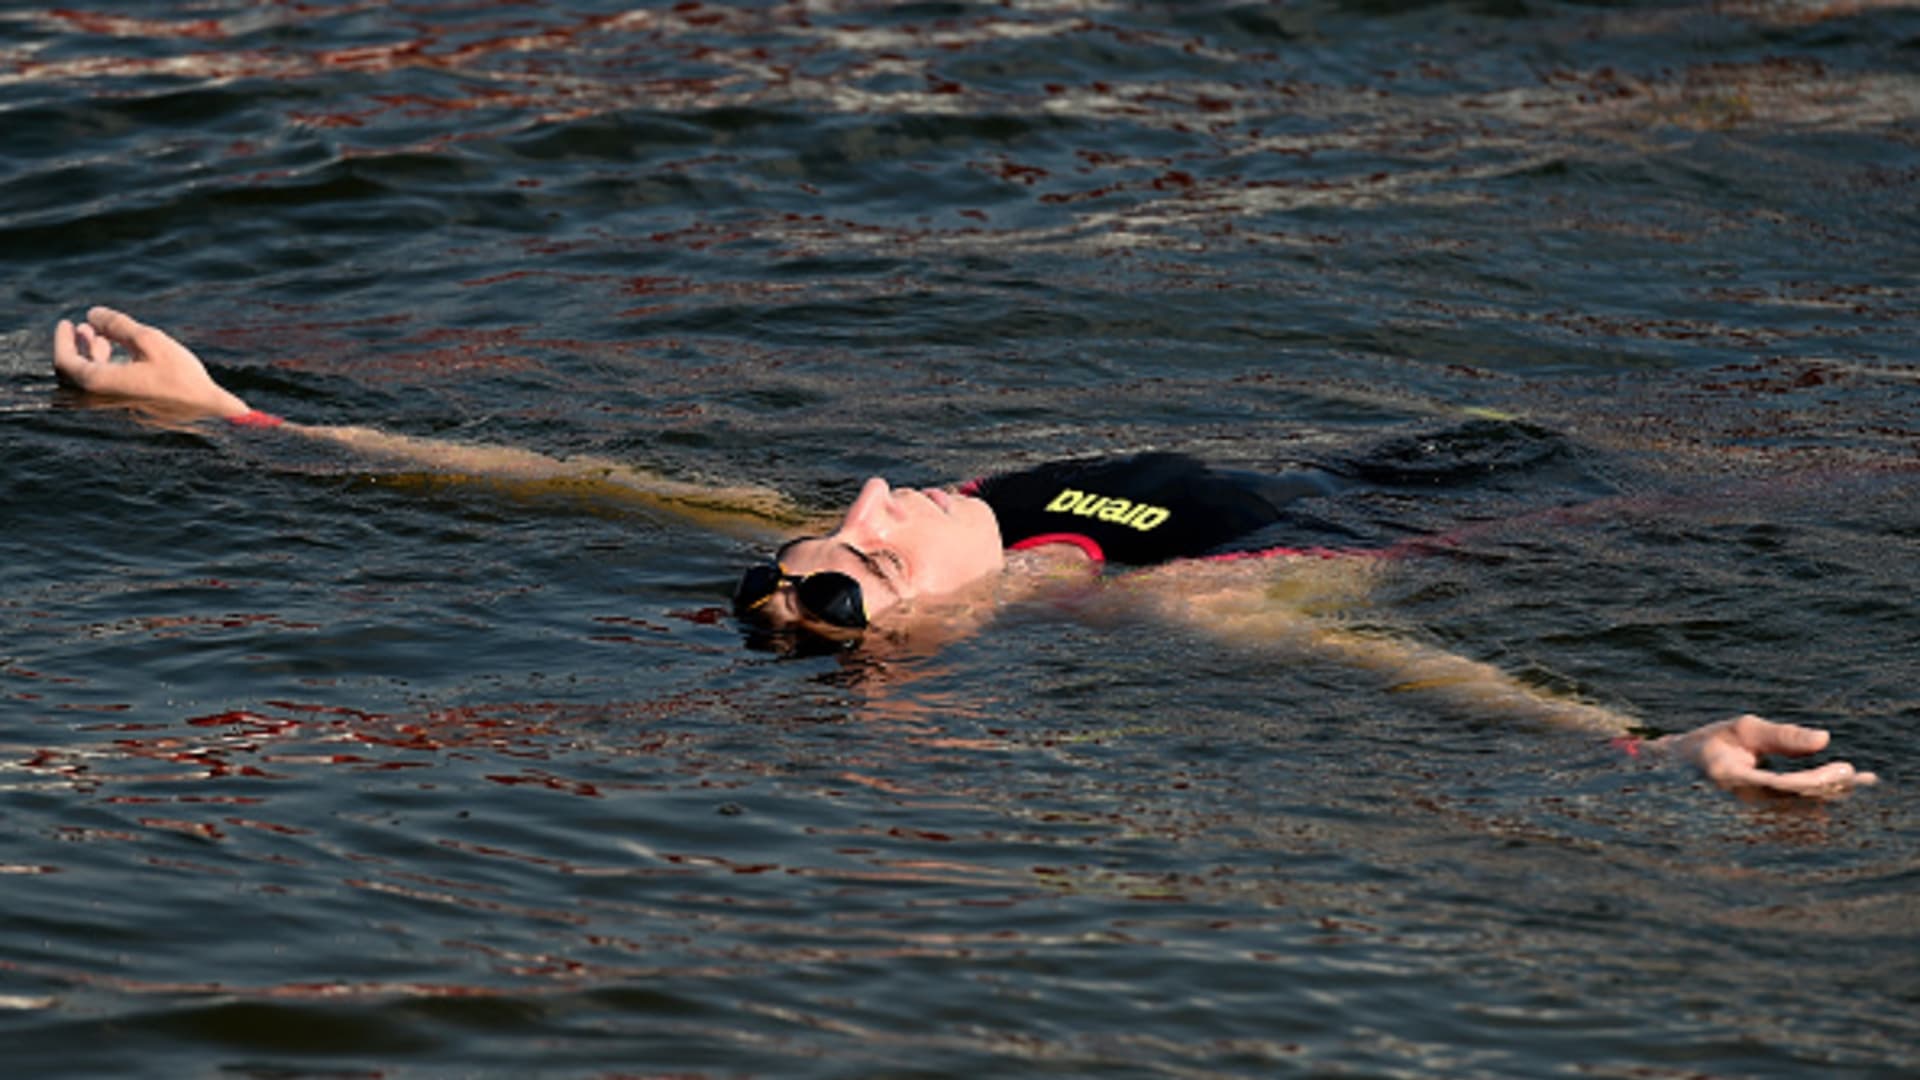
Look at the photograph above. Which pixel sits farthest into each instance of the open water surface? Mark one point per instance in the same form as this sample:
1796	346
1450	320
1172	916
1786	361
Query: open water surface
318	768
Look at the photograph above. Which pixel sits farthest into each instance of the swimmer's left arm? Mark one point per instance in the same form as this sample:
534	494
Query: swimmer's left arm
1728	752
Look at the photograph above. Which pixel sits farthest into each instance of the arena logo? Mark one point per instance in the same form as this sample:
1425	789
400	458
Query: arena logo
1141	516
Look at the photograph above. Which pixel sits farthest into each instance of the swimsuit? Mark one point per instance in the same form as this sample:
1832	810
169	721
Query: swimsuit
1150	508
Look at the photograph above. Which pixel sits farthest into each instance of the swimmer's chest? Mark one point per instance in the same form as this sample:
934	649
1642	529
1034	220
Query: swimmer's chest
1138	510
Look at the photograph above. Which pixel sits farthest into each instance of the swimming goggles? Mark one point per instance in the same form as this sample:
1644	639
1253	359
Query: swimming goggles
827	595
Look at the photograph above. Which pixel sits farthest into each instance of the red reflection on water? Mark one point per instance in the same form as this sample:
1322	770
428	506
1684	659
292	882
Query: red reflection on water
93	22
245	743
214	800
455	350
283	991
191	828
213	760
444	896
548	781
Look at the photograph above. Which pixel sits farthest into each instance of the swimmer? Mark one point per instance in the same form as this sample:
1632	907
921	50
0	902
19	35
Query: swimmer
901	563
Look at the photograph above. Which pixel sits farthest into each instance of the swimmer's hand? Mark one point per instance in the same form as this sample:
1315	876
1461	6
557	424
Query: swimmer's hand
158	370
1729	753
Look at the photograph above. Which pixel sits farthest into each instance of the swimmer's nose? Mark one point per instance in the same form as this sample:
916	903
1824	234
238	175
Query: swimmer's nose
869	506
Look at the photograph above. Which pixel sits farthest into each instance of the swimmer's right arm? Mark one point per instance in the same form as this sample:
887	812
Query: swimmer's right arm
159	371
164	376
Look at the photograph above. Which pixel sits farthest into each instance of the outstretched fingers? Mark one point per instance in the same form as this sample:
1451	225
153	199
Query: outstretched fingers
1829	779
1729	753
1762	736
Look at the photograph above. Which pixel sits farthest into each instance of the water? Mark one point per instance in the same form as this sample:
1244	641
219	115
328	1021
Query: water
319	768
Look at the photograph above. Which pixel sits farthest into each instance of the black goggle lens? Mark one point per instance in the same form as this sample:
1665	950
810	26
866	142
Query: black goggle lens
834	597
756	587
829	595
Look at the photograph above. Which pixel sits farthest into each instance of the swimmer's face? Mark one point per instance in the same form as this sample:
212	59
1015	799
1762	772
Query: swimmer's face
899	545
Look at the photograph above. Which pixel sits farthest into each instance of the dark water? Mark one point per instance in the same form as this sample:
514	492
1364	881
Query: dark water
314	769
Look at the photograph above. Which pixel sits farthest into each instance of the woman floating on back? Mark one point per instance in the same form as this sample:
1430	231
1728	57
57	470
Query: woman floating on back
905	565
